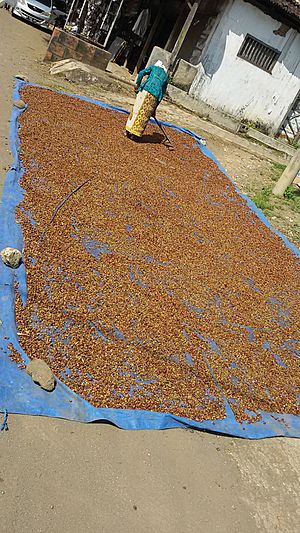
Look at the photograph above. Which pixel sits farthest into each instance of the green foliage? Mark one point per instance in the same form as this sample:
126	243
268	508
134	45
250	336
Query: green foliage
55	87
289	193
262	199
256	125
292	198
295	144
265	201
278	169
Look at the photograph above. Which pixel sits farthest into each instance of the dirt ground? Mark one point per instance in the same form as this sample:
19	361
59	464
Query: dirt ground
70	477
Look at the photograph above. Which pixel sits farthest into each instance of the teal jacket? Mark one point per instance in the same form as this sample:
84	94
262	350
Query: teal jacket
156	82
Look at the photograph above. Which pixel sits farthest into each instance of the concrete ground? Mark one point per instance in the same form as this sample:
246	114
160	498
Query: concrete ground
59	476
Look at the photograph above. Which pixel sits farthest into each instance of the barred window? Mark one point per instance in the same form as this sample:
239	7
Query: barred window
259	54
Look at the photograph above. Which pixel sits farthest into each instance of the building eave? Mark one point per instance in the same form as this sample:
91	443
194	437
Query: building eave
287	11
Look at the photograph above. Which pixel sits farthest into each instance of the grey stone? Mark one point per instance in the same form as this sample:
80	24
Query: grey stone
66	65
11	257
159	54
184	75
21	77
276	144
41	374
77	72
78	75
19	104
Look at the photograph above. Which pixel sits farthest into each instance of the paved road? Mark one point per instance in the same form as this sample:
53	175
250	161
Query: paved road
22	48
58	476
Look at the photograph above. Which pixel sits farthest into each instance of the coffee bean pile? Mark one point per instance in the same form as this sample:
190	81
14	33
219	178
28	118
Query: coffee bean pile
155	286
15	356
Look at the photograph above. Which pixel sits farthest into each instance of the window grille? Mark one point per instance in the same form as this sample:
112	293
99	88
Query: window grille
259	54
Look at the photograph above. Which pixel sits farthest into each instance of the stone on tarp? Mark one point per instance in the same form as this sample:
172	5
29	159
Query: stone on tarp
11	257
19	104
41	374
20	76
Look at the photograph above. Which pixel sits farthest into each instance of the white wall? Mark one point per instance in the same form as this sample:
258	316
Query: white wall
233	85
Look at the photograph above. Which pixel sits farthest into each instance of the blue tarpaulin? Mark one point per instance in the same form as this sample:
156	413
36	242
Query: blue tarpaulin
18	394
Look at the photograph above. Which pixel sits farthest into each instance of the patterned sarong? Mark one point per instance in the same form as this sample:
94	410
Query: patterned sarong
144	107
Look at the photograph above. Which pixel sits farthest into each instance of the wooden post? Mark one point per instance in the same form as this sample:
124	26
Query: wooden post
288	176
183	34
175	27
148	41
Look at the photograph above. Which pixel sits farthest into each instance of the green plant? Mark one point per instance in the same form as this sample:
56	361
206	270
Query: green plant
262	199
278	169
279	166
292	198
55	87
257	125
290	193
295	144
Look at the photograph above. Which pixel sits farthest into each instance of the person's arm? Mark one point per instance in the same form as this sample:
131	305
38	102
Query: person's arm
142	74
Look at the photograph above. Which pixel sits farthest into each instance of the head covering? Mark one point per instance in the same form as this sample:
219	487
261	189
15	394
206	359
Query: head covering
160	64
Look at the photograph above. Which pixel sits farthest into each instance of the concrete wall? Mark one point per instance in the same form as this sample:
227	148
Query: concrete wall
233	85
159	54
65	45
184	75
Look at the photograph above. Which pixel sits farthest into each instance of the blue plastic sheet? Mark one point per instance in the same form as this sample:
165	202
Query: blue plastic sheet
18	394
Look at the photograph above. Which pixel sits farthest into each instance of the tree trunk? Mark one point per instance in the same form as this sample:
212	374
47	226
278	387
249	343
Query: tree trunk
288	175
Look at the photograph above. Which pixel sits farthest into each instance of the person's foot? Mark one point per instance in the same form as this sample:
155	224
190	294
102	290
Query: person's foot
131	136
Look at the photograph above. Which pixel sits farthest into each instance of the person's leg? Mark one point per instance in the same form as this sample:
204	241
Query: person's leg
132	137
132	126
144	107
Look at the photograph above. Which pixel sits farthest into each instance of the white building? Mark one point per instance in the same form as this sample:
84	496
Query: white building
243	58
250	67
